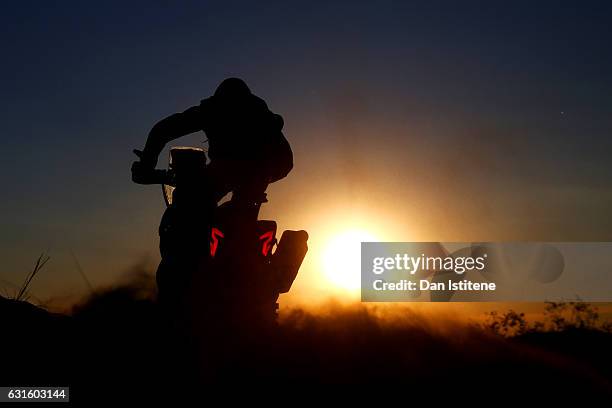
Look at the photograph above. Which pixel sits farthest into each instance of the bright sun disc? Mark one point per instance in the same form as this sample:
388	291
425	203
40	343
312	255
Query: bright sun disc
342	259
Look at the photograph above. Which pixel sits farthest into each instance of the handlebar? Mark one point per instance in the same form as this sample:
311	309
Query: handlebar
142	174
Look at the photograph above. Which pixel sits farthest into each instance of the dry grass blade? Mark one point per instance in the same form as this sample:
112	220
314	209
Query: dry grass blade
81	272
40	263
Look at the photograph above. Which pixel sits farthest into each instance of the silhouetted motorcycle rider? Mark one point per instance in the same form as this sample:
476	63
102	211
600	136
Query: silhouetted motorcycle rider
247	151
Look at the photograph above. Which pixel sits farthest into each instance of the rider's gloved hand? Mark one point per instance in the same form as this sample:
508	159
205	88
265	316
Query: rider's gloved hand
144	172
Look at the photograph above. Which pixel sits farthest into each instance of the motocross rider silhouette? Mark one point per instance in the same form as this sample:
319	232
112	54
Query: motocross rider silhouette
247	151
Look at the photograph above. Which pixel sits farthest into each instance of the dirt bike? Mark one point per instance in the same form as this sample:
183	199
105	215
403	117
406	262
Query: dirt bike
244	266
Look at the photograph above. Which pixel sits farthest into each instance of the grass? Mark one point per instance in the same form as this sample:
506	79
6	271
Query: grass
23	293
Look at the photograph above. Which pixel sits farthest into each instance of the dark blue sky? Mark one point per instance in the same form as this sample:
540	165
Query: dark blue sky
454	120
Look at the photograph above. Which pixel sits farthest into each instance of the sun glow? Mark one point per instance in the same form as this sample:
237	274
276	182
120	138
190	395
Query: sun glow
341	259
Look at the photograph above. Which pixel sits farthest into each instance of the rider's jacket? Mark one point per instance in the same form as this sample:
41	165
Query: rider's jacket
241	130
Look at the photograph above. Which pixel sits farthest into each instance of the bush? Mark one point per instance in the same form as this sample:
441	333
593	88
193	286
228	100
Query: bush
557	317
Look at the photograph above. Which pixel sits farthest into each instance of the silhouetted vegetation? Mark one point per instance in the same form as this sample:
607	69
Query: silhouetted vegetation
22	292
557	317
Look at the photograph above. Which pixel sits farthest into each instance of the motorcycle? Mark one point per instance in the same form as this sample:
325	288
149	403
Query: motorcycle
244	267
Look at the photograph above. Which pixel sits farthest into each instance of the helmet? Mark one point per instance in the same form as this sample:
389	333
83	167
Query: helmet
232	88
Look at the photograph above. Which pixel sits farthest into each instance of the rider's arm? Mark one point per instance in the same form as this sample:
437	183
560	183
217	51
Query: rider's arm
168	129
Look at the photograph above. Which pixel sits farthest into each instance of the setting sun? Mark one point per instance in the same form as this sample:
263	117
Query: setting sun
341	259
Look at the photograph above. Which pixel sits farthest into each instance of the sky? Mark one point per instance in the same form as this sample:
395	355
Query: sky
409	121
